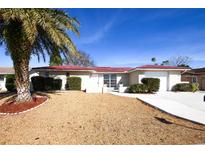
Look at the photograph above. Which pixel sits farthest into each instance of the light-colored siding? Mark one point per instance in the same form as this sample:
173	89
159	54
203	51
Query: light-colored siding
3	84
124	78
174	78
135	77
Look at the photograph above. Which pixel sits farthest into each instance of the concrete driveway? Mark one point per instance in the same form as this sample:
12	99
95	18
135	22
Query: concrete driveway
186	105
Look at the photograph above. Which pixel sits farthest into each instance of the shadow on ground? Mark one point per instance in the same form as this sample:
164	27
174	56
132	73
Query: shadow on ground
165	121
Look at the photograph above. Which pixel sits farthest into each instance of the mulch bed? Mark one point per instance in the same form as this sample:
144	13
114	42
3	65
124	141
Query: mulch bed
12	107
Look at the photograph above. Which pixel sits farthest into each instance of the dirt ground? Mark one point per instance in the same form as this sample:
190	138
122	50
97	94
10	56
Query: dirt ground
80	118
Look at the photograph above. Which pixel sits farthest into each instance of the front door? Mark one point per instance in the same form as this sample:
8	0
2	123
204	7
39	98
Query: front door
111	81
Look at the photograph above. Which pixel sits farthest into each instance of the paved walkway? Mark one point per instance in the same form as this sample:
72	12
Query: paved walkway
186	105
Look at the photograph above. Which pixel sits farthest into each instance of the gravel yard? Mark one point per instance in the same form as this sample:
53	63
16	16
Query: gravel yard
80	118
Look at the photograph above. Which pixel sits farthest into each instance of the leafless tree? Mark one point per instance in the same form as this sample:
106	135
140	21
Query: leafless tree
82	59
180	61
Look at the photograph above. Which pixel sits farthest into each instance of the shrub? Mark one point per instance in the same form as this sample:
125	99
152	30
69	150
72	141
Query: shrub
138	88
10	83
45	83
195	87
48	83
38	83
152	84
57	84
182	87
73	83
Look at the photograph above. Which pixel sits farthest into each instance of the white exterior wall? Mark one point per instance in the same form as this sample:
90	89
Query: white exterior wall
174	78
133	77
124	78
3	84
85	77
31	74
168	78
162	75
95	84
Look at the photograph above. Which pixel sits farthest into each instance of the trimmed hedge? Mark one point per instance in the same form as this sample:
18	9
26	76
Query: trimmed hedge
57	84
138	88
10	83
152	84
48	83
38	83
73	83
45	83
186	87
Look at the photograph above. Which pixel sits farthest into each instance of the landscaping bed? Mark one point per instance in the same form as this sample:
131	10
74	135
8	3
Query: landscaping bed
13	107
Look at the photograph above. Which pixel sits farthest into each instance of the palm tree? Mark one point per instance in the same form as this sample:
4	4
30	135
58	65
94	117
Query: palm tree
27	32
153	59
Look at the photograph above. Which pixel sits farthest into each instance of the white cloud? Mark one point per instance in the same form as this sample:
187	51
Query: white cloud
98	35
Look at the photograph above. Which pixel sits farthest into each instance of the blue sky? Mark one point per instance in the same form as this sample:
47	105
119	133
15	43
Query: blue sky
131	37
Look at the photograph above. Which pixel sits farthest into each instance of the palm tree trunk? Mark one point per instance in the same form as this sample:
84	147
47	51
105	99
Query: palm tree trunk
21	67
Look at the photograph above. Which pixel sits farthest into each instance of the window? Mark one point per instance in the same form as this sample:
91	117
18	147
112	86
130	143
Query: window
1	77
110	80
194	79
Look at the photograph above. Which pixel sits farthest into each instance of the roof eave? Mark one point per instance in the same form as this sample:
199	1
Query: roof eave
158	69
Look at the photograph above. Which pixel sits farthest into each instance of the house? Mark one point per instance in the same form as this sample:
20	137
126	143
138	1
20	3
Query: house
3	72
103	79
195	76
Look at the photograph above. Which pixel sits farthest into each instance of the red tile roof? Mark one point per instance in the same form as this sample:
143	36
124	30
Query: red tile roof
107	69
6	70
80	68
161	67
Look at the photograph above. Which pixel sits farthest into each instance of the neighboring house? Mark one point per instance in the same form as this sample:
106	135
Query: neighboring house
99	79
195	76
3	72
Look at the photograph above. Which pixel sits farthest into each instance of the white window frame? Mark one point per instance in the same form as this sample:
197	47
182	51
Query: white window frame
110	80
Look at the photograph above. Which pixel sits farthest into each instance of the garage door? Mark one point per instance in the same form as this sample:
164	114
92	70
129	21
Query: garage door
160	75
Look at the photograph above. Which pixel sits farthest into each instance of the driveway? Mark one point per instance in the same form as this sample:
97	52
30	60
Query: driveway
80	118
186	105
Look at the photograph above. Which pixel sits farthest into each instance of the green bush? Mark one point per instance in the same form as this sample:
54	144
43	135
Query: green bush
48	83
45	83
152	84
138	88
38	83
10	83
57	84
182	87
73	83
195	87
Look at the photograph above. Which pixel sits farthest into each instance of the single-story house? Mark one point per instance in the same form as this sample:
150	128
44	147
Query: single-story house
3	72
99	79
195	76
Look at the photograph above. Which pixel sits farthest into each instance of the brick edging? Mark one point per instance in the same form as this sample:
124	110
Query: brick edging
16	113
